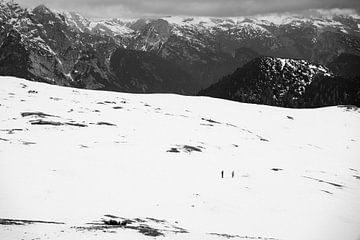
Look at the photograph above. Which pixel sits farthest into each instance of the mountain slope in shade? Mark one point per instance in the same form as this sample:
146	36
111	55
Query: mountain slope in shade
129	166
44	45
56	45
346	65
208	46
332	91
268	80
13	52
50	48
145	72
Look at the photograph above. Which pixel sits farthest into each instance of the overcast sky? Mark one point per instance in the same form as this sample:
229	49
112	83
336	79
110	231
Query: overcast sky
138	8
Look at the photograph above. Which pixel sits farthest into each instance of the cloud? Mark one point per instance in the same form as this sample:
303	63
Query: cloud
136	8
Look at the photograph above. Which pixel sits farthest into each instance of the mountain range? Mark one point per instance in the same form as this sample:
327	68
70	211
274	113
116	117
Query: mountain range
169	54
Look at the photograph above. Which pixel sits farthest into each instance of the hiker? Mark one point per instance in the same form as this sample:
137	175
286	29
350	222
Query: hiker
222	174
233	174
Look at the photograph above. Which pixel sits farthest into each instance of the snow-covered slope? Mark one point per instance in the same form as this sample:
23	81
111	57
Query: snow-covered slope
74	156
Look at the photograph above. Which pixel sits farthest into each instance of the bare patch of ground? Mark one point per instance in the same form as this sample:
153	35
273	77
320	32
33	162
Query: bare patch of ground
185	148
148	226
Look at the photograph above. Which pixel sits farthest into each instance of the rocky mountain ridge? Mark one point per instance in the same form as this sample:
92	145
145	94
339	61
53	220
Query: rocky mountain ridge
48	47
65	48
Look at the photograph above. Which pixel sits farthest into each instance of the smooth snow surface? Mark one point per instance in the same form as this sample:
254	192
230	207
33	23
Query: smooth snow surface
297	172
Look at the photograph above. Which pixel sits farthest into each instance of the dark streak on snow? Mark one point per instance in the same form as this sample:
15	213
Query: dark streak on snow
53	123
23	222
327	192
246	130
28	143
189	149
37	114
76	124
173	150
322	181
111	216
311	145
215	122
228	236
55	98
156	220
11	131
262	139
207	124
210	121
105	124
106	102
43	122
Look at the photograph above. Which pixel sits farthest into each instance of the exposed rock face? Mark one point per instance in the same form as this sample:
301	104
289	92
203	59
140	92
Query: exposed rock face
13	51
152	36
41	37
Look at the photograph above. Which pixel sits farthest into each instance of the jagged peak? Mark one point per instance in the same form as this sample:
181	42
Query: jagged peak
42	8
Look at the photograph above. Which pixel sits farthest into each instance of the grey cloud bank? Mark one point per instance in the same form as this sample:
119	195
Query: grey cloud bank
138	8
